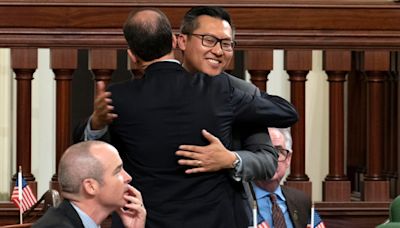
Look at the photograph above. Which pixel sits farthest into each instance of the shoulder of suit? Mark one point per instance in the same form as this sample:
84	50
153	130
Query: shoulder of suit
295	192
241	84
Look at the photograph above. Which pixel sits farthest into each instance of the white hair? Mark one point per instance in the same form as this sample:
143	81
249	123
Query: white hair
287	137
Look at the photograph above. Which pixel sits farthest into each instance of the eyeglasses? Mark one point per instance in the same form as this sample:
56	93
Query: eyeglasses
211	41
282	153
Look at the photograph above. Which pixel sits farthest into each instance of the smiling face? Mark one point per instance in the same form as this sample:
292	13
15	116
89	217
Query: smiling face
208	60
115	180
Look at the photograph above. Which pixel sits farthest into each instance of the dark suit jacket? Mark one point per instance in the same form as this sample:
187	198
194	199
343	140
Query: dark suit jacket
299	206
165	109
63	216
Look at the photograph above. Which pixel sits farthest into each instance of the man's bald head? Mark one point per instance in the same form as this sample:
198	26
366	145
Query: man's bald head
148	33
79	162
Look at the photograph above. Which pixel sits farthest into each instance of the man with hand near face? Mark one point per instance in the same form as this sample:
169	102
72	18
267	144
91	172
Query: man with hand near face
93	185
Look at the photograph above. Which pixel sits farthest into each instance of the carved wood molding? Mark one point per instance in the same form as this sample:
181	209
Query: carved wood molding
283	24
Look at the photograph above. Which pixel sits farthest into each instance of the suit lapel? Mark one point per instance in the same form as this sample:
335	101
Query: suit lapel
69	211
293	211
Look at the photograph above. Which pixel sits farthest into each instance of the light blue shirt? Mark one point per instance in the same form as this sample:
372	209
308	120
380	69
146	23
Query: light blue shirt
265	205
86	220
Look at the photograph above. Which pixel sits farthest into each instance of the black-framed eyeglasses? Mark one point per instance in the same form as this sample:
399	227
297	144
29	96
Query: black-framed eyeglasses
282	153
210	41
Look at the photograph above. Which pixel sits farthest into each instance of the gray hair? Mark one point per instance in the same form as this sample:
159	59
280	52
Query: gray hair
286	136
77	164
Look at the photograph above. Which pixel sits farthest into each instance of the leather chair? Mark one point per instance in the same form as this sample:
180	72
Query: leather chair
51	198
18	225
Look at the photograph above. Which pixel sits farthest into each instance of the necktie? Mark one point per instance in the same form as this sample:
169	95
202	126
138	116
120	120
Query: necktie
277	215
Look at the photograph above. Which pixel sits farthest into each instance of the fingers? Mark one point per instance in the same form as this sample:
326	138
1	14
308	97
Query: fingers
192	148
135	192
190	162
134	199
103	108
133	202
100	87
211	138
187	154
197	170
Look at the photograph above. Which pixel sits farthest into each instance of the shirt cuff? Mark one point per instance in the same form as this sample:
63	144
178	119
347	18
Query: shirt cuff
238	170
94	134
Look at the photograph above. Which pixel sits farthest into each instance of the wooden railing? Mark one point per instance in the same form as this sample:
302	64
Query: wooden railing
360	40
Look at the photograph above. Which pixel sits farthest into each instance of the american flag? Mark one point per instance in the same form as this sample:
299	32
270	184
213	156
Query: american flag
264	224
28	199
318	223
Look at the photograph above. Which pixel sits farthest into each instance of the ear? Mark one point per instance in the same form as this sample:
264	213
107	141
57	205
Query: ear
90	186
288	159
174	40
182	40
132	56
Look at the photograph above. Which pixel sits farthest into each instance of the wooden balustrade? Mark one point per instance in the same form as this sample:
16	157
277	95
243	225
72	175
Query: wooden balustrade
359	39
298	63
336	186
24	64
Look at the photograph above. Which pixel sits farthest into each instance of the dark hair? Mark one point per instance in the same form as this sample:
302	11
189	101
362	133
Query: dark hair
148	37
189	22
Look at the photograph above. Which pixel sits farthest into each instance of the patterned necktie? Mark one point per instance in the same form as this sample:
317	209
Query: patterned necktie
277	215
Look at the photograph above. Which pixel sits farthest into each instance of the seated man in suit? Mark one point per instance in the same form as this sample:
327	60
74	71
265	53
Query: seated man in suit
94	184
295	205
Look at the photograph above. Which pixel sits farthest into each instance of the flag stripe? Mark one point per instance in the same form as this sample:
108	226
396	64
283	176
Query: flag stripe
264	224
28	199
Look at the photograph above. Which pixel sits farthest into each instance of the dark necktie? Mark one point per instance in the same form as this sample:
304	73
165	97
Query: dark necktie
277	215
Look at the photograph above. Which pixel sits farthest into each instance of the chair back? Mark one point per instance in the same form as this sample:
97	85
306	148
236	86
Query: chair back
51	198
18	225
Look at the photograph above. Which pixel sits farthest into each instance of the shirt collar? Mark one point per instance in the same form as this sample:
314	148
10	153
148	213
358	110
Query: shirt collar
172	60
86	220
261	193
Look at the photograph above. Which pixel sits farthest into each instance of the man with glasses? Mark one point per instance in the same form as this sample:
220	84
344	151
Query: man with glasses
294	204
207	42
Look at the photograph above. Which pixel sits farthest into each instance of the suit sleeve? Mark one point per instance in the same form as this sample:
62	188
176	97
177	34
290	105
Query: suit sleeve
79	133
252	142
280	112
259	157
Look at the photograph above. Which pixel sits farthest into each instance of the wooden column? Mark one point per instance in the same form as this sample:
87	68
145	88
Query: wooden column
376	65
356	123
63	62
103	62
259	63
336	186
395	128
297	64
24	64
392	125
